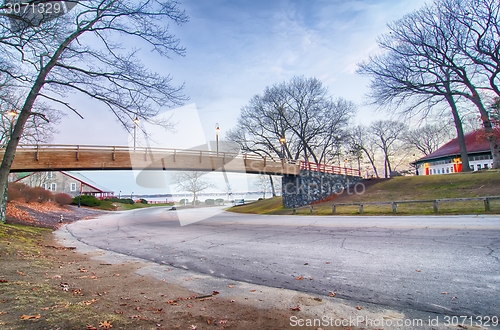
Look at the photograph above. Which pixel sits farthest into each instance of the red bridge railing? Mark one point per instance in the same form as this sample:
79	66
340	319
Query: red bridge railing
329	169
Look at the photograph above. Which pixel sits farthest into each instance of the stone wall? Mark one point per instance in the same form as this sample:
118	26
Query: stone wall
311	186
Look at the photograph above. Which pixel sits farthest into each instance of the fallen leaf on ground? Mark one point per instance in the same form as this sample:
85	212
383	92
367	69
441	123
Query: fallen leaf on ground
29	317
418	270
331	294
445	293
328	262
359	308
89	302
4	281
224	321
230	286
252	290
90	327
192	327
296	308
214	293
105	325
298	278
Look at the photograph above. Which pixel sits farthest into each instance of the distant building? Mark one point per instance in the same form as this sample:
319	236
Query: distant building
71	183
447	159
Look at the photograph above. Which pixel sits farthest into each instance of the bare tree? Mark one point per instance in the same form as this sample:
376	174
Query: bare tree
267	183
386	135
404	77
193	182
80	51
300	114
359	141
428	138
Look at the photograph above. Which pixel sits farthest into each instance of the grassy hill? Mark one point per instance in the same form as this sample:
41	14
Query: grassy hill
458	185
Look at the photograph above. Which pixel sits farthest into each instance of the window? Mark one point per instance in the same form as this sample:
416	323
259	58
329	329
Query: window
73	187
447	170
485	166
478	167
50	175
53	186
44	186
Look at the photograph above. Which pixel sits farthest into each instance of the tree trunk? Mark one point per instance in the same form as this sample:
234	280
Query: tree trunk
460	134
272	187
488	127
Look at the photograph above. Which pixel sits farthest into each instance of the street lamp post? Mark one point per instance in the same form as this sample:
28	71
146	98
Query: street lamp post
119	194
217	129
136	122
282	143
345	166
131	194
12	115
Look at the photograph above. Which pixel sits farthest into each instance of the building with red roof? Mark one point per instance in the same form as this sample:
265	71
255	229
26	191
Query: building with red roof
447	159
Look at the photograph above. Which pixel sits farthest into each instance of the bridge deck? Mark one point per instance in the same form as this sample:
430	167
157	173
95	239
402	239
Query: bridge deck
73	157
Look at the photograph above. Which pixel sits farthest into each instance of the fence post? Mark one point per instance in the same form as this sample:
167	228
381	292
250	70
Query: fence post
394	208
487	205
436	206
334	209
361	211
310	209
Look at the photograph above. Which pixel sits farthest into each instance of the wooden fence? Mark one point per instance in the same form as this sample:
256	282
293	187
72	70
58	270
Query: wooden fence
435	203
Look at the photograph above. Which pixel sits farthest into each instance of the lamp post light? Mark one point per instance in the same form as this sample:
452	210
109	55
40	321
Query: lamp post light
217	129
12	114
119	194
282	143
131	195
136	122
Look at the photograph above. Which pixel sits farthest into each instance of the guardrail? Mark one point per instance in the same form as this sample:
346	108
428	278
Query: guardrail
329	169
435	203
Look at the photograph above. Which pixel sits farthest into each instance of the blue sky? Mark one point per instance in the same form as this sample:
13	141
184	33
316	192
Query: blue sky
234	49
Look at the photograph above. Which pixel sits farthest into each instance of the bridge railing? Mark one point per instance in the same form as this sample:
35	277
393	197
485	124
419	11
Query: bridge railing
128	149
329	169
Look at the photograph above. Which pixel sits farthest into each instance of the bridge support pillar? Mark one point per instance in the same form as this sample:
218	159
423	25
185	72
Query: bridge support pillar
312	186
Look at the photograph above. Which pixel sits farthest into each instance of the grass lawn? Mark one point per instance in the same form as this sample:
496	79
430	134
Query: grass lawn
458	185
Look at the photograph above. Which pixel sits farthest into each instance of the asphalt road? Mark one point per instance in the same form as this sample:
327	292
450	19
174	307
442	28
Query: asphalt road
442	264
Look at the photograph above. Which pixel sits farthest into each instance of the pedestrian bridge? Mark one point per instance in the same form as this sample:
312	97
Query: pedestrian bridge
303	182
86	157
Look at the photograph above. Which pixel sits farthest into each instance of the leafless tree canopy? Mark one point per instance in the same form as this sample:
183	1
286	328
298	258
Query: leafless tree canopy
193	182
444	52
428	138
300	111
87	51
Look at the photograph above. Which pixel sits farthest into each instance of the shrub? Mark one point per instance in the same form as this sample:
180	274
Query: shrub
219	201
43	195
120	200
15	190
63	199
184	201
143	201
209	201
87	200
